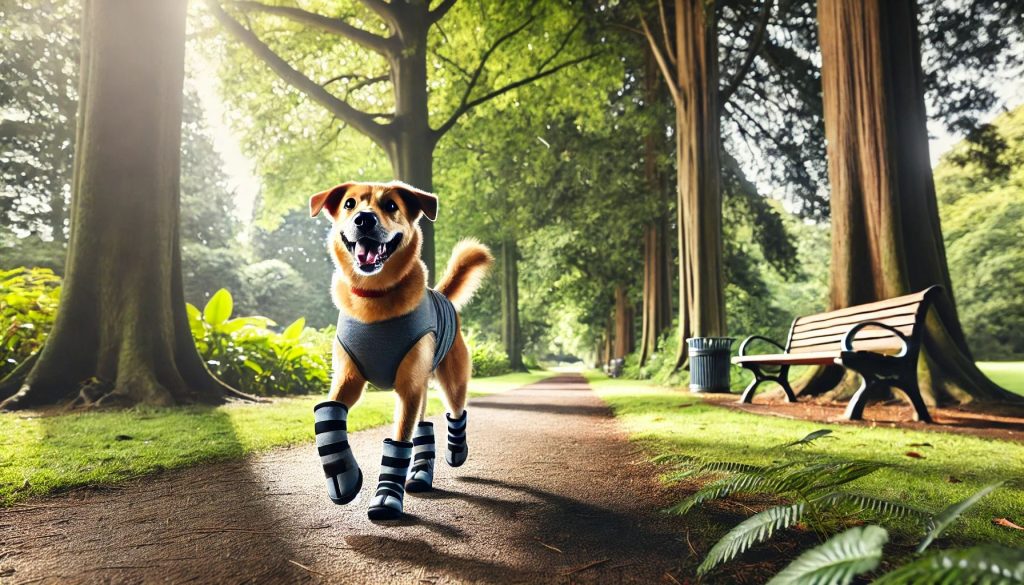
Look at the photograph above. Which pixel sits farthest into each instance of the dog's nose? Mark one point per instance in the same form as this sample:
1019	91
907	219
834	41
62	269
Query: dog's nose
365	220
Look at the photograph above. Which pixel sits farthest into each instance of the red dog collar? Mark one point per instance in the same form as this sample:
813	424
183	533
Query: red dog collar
368	293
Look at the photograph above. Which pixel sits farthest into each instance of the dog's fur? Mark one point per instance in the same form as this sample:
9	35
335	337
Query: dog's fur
401	281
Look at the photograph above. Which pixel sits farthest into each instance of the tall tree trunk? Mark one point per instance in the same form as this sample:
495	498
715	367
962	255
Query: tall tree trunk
701	276
511	335
656	304
121	335
886	237
623	345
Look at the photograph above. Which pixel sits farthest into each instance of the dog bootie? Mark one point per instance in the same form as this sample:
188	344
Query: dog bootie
344	478
394	466
458	450
421	474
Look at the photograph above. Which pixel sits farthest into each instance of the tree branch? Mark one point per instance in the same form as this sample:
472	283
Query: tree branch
561	46
442	9
670	79
383	10
361	121
756	39
664	31
505	89
377	43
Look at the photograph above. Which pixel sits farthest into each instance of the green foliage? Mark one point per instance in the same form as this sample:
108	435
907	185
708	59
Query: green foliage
951	513
489	357
244	353
811	438
28	303
983	223
751	531
987	564
839	560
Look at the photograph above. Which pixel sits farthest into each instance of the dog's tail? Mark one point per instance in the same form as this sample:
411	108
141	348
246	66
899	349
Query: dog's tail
467	267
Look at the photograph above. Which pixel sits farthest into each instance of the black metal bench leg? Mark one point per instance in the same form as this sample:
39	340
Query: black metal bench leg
748	392
855	409
783	380
909	387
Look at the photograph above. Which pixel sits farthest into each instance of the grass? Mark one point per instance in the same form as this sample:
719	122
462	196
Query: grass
44	454
663	420
1009	375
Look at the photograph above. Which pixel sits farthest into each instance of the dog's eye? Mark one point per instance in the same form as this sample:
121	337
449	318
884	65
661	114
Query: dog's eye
390	206
350	203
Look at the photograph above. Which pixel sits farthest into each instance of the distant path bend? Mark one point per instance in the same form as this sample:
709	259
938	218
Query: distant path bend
552	493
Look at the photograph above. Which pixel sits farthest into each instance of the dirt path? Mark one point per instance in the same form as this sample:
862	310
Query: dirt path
548	469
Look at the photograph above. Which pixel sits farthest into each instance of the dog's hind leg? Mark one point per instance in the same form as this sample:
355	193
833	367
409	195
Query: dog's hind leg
453	373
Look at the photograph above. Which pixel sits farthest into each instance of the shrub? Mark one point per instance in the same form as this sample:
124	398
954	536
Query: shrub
243	352
28	303
489	358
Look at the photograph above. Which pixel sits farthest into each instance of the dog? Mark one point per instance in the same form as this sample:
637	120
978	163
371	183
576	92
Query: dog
394	332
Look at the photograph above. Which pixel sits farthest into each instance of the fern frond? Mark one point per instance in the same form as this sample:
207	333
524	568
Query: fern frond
951	513
838	560
712	467
878	506
988	564
674	459
810	438
743	483
756	529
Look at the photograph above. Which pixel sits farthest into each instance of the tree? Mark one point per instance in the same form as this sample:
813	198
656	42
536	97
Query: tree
690	66
121	335
886	236
405	133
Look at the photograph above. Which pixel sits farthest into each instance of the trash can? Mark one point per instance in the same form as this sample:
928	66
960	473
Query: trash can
709	363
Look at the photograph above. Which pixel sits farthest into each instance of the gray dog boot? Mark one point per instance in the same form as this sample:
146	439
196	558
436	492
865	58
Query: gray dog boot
458	450
394	466
344	478
421	474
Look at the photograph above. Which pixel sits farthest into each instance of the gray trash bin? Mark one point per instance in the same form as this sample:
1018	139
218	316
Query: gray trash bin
709	363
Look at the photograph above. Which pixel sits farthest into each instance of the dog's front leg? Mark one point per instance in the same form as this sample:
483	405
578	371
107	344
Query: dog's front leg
411	388
344	478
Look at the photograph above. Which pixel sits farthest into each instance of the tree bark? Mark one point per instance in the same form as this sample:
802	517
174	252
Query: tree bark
623	345
511	334
121	335
886	237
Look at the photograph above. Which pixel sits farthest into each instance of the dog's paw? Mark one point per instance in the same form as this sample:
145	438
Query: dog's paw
458	450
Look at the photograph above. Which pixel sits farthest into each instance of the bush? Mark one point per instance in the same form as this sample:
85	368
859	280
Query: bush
28	303
489	358
244	353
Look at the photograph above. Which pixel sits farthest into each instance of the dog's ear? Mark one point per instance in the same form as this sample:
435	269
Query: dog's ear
417	199
329	199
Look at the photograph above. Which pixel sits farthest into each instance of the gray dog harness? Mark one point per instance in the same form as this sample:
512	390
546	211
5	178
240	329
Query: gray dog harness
378	348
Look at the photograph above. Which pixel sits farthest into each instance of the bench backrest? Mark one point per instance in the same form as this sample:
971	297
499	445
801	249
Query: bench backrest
825	331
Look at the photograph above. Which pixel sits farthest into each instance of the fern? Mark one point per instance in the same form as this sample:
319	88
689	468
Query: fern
875	505
838	560
947	516
746	482
674	459
988	564
810	438
710	467
756	529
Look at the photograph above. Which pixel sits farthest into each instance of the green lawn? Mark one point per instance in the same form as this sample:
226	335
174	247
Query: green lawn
43	454
1009	375
663	420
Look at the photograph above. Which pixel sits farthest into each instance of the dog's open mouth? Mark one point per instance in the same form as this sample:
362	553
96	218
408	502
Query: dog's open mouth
371	254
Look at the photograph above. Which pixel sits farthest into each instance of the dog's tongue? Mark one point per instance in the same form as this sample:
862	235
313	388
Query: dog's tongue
367	255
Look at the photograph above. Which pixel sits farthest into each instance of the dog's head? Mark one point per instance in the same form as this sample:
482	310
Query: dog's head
376	231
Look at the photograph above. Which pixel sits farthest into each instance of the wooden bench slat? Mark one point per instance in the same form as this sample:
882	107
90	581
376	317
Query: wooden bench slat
905	324
886	304
847	321
821	357
887	346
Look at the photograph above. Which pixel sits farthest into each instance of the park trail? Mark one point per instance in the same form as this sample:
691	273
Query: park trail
552	493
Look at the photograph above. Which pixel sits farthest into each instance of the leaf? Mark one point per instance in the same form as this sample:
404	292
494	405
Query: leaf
218	308
810	438
838	560
756	529
951	513
294	331
914	455
1007	523
876	505
710	467
989	564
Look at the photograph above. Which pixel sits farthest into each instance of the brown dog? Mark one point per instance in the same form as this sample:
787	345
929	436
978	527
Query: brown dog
393	331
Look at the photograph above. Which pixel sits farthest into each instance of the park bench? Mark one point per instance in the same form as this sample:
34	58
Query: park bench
880	341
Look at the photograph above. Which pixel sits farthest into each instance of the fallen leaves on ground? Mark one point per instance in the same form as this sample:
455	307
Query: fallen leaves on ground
1007	523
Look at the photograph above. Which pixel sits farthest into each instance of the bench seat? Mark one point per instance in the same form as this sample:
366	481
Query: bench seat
880	341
